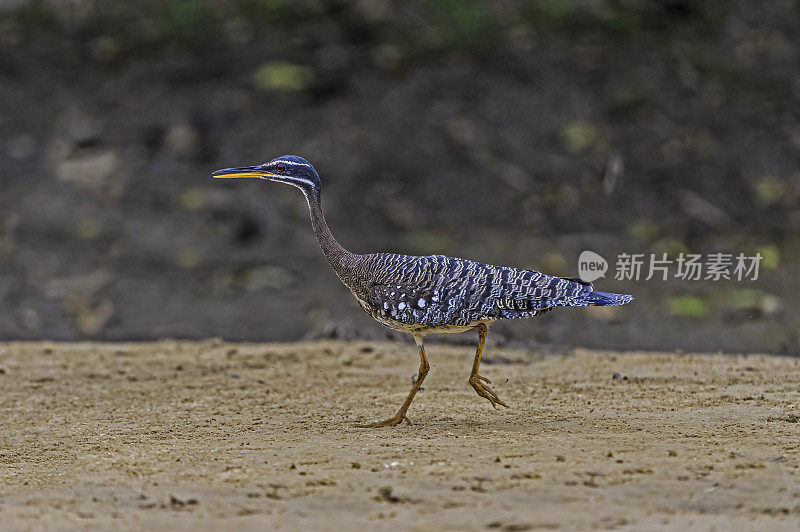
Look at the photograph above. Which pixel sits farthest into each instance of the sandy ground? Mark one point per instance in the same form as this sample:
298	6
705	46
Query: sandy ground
206	436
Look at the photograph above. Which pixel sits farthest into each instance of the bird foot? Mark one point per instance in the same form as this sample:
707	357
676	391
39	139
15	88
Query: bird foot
484	391
391	422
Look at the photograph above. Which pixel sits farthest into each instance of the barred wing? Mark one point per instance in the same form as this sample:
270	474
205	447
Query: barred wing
437	290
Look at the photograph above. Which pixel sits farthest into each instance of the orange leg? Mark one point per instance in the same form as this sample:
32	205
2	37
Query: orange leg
400	416
476	380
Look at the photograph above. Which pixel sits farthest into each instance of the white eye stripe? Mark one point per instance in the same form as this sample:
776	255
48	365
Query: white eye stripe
293	163
294	180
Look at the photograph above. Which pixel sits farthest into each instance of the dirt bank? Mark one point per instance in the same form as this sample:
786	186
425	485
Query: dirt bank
213	435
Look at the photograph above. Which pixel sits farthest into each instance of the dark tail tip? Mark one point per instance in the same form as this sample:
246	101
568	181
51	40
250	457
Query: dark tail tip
604	299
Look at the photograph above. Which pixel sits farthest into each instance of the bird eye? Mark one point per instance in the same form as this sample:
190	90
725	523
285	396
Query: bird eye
280	167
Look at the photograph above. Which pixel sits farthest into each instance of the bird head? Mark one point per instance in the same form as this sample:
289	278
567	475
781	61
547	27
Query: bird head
289	169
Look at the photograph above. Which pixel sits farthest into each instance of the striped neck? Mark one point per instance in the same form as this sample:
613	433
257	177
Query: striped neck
338	257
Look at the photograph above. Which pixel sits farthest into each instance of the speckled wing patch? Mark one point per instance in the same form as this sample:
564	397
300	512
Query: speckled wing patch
406	304
431	291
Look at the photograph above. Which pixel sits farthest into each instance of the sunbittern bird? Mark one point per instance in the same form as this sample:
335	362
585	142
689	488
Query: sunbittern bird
429	295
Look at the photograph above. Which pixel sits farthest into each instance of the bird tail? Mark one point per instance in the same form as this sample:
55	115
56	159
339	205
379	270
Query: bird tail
605	299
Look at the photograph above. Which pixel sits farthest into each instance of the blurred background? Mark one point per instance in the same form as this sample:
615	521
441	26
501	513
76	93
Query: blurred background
512	132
